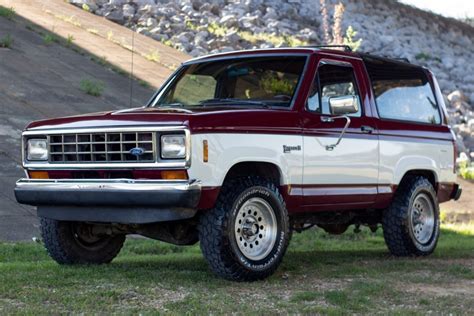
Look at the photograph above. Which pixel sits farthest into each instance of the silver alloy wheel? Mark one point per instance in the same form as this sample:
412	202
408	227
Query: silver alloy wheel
422	218
255	229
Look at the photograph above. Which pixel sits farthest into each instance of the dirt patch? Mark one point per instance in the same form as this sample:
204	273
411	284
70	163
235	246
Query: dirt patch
6	303
446	289
160	297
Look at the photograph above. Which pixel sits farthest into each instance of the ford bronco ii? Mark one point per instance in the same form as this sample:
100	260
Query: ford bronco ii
238	150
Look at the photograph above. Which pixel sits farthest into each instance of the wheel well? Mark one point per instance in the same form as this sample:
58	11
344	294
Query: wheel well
253	168
428	174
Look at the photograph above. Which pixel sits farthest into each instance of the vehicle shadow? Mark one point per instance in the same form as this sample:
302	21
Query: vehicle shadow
332	261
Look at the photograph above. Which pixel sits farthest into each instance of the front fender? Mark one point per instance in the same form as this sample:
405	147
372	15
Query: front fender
226	150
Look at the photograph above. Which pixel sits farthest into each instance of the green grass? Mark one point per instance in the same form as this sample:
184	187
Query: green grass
69	43
92	87
7	13
153	56
426	57
321	274
85	7
6	41
50	38
144	84
69	40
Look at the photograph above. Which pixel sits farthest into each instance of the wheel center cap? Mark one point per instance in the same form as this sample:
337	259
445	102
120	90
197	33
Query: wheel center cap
250	227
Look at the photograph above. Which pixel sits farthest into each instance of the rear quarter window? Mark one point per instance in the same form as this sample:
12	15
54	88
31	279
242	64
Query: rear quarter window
404	93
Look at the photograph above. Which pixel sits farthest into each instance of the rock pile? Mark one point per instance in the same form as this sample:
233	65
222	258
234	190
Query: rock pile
461	119
387	27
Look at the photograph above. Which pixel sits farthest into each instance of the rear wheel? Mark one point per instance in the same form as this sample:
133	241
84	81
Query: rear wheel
246	235
76	242
411	223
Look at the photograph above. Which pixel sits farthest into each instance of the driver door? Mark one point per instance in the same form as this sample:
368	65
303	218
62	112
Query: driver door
344	174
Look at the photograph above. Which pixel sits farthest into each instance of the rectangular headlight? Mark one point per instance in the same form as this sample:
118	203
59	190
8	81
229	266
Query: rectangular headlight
173	146
37	149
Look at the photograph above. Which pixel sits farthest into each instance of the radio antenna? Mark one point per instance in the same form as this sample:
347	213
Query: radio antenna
131	70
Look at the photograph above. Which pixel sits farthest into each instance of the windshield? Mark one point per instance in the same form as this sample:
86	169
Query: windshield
252	81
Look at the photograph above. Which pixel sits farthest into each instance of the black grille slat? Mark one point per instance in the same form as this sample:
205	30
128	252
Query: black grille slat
102	147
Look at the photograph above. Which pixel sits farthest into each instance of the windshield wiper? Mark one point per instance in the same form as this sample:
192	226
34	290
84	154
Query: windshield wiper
171	104
233	101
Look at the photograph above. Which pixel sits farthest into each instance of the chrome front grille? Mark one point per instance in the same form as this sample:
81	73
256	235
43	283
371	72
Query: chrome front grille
102	147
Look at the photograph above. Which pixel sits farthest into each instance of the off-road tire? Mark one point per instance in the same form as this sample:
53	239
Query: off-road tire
62	244
217	236
396	222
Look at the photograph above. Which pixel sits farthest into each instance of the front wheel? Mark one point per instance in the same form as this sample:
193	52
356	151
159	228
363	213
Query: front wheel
246	235
411	223
77	243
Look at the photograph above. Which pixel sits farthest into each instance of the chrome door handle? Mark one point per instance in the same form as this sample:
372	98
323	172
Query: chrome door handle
330	119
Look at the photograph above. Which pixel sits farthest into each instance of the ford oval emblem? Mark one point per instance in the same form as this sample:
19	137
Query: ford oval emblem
137	151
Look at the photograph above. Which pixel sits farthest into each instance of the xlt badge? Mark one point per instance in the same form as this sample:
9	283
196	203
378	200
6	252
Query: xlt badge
288	149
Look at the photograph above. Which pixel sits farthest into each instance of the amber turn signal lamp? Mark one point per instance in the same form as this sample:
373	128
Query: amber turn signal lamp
205	151
174	175
39	175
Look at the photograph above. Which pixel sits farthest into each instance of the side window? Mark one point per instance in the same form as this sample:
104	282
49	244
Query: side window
333	83
406	99
402	92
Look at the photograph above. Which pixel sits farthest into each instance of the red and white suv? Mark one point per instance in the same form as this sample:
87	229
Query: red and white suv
238	150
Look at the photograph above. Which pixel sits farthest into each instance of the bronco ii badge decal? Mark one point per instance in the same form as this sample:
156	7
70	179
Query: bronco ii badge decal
137	151
288	149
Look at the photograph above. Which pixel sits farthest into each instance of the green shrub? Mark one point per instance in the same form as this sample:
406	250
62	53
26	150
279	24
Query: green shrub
275	85
423	56
6	42
463	164
30	27
50	38
465	168
427	57
153	56
7	13
69	40
349	39
467	173
144	84
92	87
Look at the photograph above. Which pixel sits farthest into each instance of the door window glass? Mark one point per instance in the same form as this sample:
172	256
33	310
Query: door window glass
333	81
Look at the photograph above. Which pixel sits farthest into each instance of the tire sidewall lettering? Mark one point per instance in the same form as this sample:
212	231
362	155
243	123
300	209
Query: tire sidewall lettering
278	248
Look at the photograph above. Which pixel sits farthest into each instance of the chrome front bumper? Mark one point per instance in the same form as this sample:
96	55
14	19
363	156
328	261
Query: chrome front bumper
111	200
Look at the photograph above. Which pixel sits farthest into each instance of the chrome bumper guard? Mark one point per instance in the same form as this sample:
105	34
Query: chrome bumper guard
111	200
